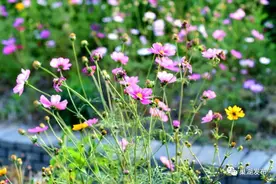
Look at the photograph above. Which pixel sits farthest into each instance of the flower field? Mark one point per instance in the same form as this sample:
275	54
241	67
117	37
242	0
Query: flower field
99	82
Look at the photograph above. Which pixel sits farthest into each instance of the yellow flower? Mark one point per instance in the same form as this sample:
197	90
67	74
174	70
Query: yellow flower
234	113
79	126
19	6
3	171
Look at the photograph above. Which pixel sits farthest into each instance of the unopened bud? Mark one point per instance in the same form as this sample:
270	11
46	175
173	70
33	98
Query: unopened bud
175	37
106	76
36	103
19	161
233	144
84	43
72	36
104	132
125	38
42	125
13	158
21	131
84	59
240	148
34	139
188	144
36	64
150	84
248	137
47	118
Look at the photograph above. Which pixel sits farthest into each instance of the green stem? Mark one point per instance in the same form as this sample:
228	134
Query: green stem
78	71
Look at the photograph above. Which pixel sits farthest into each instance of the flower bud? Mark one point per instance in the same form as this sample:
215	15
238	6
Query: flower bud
150	84
36	103
196	41
72	36
105	75
248	137
34	139
21	131
19	161
42	125
13	158
126	172
247	164
47	118
84	59
233	144
125	38
84	43
188	144
175	37
104	132
240	148
36	64
271	161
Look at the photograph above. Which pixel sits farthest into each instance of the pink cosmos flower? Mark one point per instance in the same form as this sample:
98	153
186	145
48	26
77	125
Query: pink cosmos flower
256	88
91	122
89	71
219	34
168	163
194	76
141	94
248	83
44	34
57	82
257	35
208	118
209	94
123	143
158	27
165	77
236	54
156	112
222	67
38	129
238	15
163	106
153	2
18	21
226	21
113	2
129	81
159	49
167	63
247	63
54	103
9	46
264	2
60	63
119	57
186	65
211	53
176	123
20	81
3	11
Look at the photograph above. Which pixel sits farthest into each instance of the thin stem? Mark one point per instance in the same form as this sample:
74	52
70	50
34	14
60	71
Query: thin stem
150	66
231	133
78	70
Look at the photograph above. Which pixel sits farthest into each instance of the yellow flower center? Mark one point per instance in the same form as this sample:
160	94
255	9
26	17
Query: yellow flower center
139	95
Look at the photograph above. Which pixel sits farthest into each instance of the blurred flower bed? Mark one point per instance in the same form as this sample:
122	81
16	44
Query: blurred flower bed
39	31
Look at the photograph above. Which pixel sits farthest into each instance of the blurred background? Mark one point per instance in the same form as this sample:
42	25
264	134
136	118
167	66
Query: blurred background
38	30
